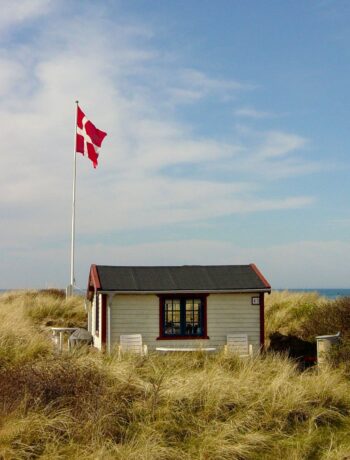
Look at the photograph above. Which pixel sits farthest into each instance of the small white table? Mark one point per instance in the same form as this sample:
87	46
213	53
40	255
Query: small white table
58	333
168	349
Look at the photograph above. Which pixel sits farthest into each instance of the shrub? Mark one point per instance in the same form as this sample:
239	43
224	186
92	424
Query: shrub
292	313
339	356
331	317
306	315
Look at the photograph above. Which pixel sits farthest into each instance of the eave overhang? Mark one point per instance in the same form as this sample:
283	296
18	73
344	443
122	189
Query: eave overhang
187	291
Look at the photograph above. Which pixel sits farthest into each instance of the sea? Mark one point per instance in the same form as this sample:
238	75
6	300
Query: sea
329	293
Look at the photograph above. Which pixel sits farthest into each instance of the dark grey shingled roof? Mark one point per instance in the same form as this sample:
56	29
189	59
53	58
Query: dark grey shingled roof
182	278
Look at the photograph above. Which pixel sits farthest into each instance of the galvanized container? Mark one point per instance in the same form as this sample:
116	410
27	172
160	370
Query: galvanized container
324	345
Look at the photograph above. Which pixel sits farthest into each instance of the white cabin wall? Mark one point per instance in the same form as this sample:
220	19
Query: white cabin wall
135	314
226	313
230	314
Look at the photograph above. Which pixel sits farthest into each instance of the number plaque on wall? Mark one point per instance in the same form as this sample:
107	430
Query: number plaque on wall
256	300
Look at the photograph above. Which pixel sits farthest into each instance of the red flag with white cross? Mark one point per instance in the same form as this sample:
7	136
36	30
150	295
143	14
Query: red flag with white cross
89	138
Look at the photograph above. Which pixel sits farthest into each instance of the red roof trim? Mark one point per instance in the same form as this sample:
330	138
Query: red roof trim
262	321
260	275
95	277
94	282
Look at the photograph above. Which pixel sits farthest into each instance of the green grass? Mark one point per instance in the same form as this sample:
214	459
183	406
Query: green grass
89	405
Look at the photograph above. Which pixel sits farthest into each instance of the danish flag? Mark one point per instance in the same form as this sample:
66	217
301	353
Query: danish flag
89	138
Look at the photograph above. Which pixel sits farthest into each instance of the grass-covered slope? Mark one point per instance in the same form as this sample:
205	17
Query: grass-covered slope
86	405
306	315
47	307
25	317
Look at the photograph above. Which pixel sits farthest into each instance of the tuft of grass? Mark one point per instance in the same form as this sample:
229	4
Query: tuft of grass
47	307
20	340
291	313
169	407
307	315
165	407
331	317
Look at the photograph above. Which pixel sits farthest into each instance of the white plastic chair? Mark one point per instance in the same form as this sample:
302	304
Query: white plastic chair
238	343
132	343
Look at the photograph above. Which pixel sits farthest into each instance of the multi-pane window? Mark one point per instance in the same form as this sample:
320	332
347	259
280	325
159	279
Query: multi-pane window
183	317
172	310
193	317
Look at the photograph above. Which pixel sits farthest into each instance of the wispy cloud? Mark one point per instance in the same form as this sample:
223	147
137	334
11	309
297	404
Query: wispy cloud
279	144
251	112
202	81
272	155
18	11
188	86
119	85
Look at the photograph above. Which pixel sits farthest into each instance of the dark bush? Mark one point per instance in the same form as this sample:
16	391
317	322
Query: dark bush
330	318
296	348
340	355
55	381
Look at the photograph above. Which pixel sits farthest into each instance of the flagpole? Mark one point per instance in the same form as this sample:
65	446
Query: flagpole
70	289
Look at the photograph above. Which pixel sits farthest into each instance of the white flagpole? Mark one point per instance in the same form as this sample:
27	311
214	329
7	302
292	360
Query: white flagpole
70	289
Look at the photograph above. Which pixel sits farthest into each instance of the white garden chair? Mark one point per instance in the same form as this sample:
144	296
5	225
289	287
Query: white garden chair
238	343
132	343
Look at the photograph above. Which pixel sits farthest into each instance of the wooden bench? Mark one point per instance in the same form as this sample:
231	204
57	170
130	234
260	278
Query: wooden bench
171	349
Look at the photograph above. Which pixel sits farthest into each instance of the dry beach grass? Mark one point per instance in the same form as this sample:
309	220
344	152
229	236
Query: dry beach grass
87	405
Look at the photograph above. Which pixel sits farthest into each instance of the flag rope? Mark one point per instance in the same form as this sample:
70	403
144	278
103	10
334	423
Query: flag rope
70	289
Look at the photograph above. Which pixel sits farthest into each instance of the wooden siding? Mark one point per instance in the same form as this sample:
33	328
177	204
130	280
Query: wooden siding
226	314
135	314
233	314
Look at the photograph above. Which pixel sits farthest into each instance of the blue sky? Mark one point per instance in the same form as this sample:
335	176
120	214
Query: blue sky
228	137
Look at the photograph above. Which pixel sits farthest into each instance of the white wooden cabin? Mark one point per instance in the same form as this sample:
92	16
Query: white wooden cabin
183	306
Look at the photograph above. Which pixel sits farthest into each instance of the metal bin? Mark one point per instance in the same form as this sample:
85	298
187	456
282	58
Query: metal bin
324	345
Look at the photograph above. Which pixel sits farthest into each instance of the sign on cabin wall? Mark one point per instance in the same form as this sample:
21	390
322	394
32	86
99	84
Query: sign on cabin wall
256	300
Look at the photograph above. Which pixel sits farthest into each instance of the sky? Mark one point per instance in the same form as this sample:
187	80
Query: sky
228	137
